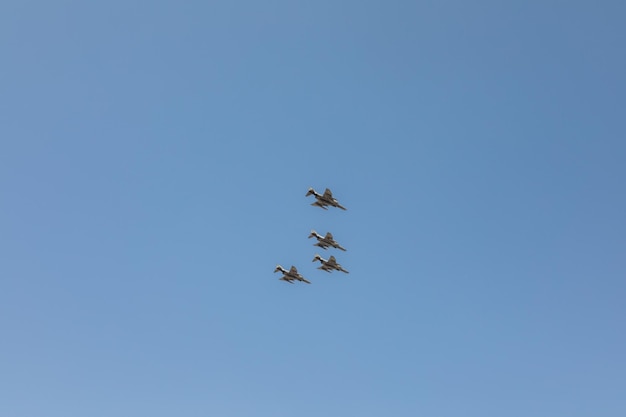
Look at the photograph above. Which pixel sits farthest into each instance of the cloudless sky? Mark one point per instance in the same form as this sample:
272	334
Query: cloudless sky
154	157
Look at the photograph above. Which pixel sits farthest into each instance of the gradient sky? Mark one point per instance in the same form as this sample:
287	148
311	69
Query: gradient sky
154	157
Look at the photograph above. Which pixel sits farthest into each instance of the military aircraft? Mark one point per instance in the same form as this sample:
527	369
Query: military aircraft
324	200
328	265
290	275
325	241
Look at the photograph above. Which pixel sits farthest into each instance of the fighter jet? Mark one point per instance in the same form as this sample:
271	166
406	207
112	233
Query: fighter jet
290	275
328	265
324	200
325	241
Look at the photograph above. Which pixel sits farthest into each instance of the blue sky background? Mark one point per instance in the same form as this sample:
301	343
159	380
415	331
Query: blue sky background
154	157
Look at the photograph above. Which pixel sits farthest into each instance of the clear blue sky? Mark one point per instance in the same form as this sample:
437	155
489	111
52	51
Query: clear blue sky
154	157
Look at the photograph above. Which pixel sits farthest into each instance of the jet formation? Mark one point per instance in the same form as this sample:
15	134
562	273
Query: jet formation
324	242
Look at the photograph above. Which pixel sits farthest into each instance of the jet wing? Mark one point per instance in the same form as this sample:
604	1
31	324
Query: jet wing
329	237
328	195
322	244
332	261
293	270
